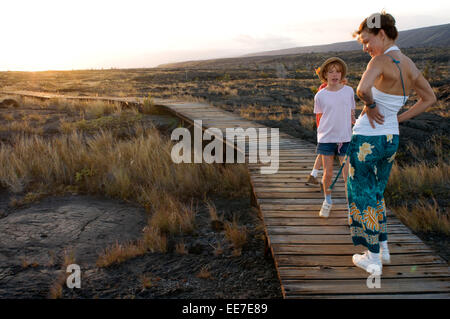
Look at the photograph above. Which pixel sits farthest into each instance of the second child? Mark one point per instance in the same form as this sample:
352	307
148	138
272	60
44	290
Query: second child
334	106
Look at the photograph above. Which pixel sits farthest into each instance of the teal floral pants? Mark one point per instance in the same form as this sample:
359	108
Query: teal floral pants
370	163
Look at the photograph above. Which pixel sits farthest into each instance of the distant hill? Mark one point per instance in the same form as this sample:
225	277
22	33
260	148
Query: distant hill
434	36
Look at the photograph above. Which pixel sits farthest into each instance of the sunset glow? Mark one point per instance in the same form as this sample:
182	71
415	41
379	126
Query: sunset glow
65	35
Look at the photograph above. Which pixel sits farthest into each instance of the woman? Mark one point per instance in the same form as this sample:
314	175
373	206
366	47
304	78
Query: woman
384	89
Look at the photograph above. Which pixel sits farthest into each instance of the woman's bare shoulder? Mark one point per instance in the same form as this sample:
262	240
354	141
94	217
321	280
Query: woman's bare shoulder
412	68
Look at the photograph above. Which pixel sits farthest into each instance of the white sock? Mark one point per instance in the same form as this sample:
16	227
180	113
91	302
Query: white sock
384	245
374	256
314	172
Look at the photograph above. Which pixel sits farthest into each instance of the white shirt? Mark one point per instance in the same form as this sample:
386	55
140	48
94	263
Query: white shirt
336	122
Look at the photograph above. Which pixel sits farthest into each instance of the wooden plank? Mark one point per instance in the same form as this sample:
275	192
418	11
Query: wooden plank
316	221
257	184
291	195
350	272
280	175
274	178
299	214
325	230
335	239
285	190
335	213
300	207
288	201
345	249
339	260
351	286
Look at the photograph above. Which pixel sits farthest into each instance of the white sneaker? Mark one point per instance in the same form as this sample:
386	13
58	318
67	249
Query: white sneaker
385	256
364	262
325	210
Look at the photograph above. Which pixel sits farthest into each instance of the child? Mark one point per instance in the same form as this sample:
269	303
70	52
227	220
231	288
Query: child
334	106
312	178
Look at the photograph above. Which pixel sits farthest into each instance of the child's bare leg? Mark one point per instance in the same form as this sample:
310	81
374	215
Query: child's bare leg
327	162
315	171
317	165
318	162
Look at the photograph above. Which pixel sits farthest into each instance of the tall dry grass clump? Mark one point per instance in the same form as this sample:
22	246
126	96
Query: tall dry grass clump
236	235
87	109
173	217
428	177
412	189
118	253
424	217
421	180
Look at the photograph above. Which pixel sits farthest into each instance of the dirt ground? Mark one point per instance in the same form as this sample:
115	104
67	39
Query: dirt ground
33	240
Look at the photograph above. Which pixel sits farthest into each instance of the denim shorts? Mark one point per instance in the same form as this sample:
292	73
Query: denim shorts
332	148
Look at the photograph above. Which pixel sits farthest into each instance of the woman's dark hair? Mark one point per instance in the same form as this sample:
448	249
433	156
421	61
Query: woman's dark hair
386	23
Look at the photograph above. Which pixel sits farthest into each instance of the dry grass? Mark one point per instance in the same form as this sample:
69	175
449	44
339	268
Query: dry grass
440	108
140	168
212	210
415	181
68	258
148	105
174	217
118	253
204	273
21	127
36	118
86	109
56	289
180	248
28	263
7	116
146	282
222	90
275	113
236	235
153	240
218	250
411	187
306	106
424	217
308	122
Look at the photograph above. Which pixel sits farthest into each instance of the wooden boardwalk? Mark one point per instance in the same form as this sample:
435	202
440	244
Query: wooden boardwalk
312	255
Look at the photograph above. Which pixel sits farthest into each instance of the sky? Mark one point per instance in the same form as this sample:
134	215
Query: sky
95	34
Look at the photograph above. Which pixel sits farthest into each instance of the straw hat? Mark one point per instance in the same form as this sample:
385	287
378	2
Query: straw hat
320	70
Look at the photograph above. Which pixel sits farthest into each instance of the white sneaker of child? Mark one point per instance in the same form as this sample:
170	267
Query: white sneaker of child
325	210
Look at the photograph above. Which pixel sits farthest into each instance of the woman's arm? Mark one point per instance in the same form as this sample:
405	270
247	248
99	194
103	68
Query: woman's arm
426	98
364	90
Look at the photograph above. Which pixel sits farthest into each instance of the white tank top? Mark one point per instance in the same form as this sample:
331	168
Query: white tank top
388	105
